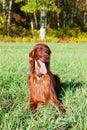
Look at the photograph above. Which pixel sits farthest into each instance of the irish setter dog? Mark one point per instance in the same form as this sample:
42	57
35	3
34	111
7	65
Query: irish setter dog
43	85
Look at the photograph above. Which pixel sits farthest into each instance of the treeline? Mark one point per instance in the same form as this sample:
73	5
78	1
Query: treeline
19	17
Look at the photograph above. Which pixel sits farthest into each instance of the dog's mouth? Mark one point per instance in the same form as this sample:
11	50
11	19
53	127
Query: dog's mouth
42	66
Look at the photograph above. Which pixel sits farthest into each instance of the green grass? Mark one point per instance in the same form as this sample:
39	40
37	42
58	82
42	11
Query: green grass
69	61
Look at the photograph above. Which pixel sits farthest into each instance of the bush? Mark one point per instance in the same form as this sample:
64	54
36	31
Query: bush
2	24
66	34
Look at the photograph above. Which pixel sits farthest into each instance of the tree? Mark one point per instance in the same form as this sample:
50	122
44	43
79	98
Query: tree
9	16
6	14
82	8
43	7
15	14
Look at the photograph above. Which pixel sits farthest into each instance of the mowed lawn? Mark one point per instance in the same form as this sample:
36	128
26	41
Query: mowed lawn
69	61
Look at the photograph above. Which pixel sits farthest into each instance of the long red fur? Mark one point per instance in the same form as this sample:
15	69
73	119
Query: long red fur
44	91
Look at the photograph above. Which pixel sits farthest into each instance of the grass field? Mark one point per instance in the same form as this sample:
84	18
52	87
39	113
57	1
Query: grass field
69	61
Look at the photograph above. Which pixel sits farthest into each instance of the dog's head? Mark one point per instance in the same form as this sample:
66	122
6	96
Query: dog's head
40	58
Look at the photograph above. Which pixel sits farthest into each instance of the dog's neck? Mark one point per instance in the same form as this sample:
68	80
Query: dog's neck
39	77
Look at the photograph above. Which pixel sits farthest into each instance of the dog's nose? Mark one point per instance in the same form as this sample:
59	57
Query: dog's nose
47	57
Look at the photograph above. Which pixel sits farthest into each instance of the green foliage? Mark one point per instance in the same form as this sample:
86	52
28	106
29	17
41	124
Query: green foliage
67	34
2	23
69	62
18	1
62	13
85	26
31	7
19	31
34	5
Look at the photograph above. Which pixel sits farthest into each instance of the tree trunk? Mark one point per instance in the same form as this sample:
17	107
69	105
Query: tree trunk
64	18
32	25
9	17
4	6
85	13
58	15
72	17
35	18
43	23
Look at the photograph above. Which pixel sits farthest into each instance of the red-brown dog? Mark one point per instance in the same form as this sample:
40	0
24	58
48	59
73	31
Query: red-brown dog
43	85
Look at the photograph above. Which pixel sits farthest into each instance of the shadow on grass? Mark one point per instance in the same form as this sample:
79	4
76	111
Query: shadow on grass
72	85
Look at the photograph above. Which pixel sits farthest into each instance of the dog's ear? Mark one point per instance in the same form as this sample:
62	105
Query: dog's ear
31	61
31	54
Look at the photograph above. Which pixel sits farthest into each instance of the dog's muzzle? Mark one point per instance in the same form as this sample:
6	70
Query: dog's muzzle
42	66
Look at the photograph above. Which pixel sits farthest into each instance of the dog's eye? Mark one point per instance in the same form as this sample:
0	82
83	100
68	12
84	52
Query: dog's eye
47	51
40	56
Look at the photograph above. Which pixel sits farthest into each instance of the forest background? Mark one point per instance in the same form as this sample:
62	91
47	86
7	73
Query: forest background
62	20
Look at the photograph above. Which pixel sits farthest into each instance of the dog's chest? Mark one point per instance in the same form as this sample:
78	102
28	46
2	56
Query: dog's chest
40	83
43	80
40	89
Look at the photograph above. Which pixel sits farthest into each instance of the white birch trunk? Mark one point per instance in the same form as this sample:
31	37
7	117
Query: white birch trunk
4	6
9	16
35	18
43	23
58	20
58	14
32	25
